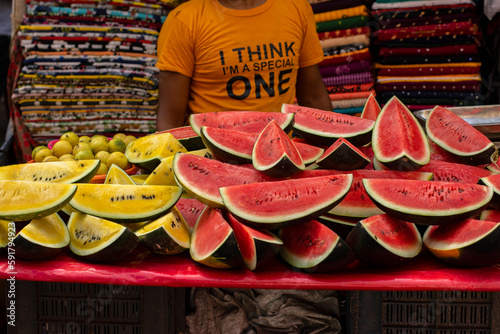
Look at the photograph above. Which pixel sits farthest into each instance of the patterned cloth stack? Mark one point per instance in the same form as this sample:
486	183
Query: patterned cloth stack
427	52
89	66
343	30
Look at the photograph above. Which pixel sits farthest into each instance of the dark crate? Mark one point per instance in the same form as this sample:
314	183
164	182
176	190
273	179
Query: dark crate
76	308
423	312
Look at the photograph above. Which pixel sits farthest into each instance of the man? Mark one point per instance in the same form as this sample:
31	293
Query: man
217	55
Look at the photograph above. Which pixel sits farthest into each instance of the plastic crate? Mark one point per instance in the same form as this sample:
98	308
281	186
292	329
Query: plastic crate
423	312
76	308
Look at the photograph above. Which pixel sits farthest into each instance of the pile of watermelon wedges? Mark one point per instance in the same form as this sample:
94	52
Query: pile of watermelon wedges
316	189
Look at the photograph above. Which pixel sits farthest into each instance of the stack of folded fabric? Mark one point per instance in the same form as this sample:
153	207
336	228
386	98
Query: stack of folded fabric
427	53
342	27
89	67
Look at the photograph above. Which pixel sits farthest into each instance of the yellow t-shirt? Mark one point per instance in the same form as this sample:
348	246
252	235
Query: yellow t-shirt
239	59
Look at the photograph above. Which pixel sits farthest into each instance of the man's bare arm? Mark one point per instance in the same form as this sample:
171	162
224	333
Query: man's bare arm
173	95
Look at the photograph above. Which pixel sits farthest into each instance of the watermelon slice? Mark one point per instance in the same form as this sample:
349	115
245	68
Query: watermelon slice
245	121
213	243
382	240
187	137
257	247
313	247
428	202
357	204
343	155
468	243
275	154
459	138
398	140
190	209
493	181
323	128
236	147
371	110
455	172
276	204
202	177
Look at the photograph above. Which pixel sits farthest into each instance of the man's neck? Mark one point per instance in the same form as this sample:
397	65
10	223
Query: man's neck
241	4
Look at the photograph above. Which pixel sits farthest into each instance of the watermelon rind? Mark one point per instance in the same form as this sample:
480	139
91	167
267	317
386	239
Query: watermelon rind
428	202
468	243
459	138
245	121
73	171
27	200
276	204
125	203
398	140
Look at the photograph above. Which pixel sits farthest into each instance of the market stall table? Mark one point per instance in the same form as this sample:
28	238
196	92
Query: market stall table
423	273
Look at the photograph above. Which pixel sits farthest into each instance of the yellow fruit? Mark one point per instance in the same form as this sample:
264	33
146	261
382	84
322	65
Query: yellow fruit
68	157
95	137
84	139
70	137
117	145
42	154
129	139
84	155
36	149
50	158
119	159
121	136
61	148
99	145
103	169
81	146
103	156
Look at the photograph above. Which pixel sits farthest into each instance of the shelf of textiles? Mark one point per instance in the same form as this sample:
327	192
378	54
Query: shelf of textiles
427	55
88	66
344	33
